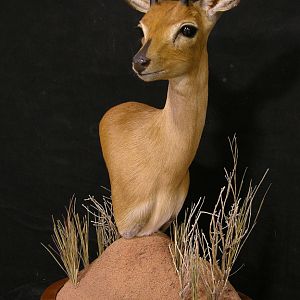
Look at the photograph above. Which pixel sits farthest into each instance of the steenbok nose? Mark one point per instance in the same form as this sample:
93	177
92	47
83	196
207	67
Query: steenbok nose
140	61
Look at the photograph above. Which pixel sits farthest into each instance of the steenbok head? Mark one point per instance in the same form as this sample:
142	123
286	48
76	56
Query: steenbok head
174	35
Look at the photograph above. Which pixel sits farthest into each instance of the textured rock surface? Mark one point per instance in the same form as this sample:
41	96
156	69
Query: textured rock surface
139	268
135	269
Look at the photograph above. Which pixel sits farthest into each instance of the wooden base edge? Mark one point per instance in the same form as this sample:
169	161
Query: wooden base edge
52	290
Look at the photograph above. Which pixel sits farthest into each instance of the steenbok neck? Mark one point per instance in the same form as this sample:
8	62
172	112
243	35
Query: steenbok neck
186	103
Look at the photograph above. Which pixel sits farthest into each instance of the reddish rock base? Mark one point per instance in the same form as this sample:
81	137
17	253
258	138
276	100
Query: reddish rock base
135	269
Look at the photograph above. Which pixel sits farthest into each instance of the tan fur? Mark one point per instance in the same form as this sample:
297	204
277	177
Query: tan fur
148	151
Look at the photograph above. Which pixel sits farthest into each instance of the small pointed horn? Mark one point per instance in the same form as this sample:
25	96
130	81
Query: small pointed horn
185	2
153	2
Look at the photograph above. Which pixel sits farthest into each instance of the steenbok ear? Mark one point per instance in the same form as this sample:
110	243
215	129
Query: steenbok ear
213	8
140	5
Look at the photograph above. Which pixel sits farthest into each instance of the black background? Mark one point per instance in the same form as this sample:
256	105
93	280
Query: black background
65	62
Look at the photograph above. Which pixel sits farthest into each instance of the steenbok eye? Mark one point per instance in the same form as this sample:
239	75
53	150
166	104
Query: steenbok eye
188	31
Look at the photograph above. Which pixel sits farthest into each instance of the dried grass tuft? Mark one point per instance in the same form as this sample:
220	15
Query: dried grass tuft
71	236
106	228
207	259
182	247
71	242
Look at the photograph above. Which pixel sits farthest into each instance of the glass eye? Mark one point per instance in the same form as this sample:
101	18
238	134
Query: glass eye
188	31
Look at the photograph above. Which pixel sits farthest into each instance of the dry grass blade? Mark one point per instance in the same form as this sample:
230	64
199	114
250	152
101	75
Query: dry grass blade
106	229
71	243
82	228
182	249
232	221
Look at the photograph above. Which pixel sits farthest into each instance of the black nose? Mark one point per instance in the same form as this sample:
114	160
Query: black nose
140	62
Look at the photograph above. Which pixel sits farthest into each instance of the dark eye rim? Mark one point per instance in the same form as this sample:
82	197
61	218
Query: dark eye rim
179	32
193	28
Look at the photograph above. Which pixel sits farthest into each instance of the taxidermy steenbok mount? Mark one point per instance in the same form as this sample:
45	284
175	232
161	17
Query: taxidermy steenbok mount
148	151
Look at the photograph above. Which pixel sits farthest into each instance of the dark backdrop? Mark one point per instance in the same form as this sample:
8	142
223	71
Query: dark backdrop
65	62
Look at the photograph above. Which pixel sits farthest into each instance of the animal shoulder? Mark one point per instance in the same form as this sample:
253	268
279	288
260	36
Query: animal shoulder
128	114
